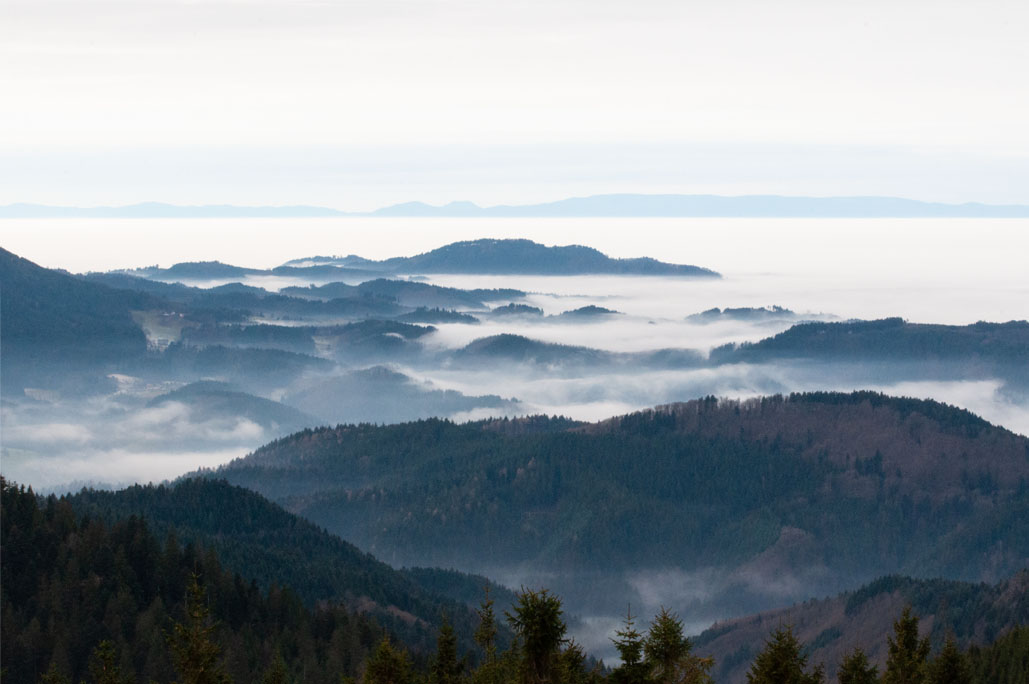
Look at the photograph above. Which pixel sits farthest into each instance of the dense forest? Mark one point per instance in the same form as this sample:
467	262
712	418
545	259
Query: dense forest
80	595
862	483
84	600
969	350
256	538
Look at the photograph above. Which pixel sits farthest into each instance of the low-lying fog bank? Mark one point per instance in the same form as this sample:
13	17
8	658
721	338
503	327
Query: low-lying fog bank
149	434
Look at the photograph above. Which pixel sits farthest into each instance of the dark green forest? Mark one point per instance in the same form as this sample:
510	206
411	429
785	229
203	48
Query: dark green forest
72	582
258	539
84	600
705	483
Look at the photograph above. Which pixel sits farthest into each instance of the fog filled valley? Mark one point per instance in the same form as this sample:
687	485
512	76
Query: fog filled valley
729	440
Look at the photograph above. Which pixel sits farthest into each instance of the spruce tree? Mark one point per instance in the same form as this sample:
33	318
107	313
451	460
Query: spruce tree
668	653
194	652
537	622
629	643
388	665
572	665
1006	660
52	676
486	633
103	665
950	666
856	669
445	668
491	670
782	661
630	647
908	655
276	672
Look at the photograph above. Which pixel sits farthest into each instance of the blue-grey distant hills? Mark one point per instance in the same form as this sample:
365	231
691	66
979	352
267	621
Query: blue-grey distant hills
617	205
631	205
512	257
483	256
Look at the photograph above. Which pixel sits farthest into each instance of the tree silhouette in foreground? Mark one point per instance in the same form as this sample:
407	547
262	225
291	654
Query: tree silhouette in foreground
445	667
856	669
908	655
629	643
537	622
782	661
950	666
388	665
668	653
194	652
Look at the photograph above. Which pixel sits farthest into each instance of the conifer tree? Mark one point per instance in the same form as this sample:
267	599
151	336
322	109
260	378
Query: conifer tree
950	666
1006	660
486	633
51	676
856	669
445	667
194	652
276	672
103	665
388	665
668	653
572	665
491	670
541	631
629	643
782	661
908	655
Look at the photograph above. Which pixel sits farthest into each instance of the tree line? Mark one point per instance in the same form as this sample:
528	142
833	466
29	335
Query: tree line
84	601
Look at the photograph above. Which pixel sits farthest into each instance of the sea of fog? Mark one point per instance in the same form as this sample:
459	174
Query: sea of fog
954	271
926	270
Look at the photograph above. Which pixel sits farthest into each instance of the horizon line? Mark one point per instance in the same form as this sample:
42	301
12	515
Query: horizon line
615	205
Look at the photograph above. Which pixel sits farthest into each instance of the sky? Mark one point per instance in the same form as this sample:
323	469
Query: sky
358	104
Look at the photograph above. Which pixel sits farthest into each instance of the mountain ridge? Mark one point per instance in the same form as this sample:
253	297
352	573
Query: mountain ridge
613	204
768	499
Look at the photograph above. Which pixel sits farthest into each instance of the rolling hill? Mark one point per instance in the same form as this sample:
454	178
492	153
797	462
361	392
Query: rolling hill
262	542
518	257
772	499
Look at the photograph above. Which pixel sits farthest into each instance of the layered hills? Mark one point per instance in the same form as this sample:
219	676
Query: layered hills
116	567
260	541
766	500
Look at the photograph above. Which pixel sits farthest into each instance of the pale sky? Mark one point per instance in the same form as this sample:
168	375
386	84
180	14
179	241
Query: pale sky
362	103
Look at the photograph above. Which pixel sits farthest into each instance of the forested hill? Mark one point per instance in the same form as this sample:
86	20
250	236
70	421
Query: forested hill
519	257
973	614
889	339
80	595
51	322
817	490
260	541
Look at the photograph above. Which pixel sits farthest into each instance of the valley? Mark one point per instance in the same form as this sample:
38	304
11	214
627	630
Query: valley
604	437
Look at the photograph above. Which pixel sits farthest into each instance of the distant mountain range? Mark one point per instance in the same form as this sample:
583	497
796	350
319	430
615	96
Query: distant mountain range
623	205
